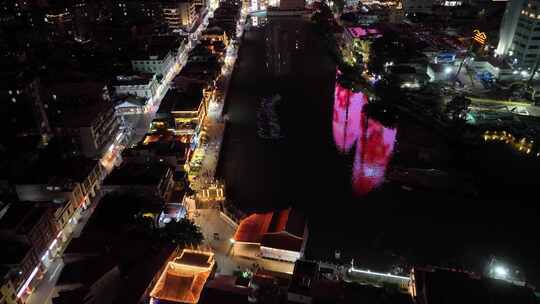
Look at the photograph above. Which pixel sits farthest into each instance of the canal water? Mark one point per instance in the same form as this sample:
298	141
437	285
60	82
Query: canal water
383	195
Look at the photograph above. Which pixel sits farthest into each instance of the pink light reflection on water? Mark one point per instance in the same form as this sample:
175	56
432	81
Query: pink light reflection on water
373	151
374	142
346	118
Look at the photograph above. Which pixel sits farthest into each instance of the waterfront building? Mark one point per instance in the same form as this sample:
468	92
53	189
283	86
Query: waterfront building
280	235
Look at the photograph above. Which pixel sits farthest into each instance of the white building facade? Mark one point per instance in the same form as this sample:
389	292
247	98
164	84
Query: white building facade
155	64
526	41
141	86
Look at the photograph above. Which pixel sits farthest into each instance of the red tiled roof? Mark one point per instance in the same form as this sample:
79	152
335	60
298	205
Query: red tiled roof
281	229
252	228
283	241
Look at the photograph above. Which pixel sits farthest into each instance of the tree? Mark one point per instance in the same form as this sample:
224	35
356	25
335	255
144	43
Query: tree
458	108
183	233
389	48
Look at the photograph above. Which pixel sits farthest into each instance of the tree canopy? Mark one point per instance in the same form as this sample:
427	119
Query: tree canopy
183	233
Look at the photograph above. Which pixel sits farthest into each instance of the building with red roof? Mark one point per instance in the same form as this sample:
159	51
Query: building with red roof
184	278
281	235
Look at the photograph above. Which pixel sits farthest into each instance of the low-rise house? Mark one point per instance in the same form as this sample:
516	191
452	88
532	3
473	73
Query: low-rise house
160	146
215	33
82	113
71	184
183	279
204	72
28	234
185	109
151	178
280	235
142	85
130	104
159	55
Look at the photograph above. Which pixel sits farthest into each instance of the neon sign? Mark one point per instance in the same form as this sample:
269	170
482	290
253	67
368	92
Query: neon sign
479	37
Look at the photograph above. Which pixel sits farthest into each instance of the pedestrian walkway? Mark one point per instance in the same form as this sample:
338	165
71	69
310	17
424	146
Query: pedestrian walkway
230	257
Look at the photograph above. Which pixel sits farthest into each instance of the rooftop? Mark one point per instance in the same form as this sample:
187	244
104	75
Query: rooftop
183	279
158	47
162	144
49	169
132	173
177	100
281	229
138	79
23	216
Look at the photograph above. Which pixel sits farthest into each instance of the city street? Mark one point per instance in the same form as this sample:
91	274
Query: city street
137	126
213	124
44	291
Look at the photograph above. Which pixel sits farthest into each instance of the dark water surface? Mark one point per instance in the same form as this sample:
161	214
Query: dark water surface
333	161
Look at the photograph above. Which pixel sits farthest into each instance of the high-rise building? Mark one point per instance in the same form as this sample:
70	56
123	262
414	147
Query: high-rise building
508	25
525	46
180	15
